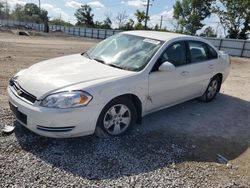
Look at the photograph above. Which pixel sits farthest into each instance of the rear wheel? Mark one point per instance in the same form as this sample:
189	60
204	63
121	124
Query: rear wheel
212	89
117	117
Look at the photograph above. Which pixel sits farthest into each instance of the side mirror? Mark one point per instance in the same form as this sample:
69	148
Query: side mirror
167	67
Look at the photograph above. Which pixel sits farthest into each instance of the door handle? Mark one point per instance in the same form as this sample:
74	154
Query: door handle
184	73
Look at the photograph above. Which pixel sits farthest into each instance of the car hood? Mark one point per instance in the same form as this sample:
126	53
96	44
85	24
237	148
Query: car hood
54	74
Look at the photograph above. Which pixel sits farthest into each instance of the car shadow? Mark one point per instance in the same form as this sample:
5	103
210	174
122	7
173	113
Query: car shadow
192	131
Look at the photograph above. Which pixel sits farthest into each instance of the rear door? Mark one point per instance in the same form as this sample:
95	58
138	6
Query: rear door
203	61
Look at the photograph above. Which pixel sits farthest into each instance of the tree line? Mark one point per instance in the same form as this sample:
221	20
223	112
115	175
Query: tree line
234	16
189	17
30	12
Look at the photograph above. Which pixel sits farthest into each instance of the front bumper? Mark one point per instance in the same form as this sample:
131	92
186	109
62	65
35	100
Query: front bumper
57	123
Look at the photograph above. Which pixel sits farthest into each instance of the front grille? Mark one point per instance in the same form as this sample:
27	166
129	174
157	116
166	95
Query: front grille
55	129
21	93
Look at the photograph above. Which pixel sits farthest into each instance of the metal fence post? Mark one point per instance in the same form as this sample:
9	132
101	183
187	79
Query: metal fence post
105	34
79	31
92	33
243	48
73	30
220	44
113	32
84	32
98	33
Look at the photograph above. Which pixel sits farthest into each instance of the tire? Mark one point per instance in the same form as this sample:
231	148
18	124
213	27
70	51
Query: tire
117	118
212	89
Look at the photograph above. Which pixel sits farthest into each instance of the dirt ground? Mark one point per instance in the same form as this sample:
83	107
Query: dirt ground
220	127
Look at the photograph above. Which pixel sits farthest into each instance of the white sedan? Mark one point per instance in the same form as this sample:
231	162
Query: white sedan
109	88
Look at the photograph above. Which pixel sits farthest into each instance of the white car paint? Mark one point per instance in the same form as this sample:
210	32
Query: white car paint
155	90
65	71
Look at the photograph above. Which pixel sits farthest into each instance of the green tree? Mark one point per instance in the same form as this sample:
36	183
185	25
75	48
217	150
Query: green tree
1	10
121	19
31	9
191	13
32	13
45	19
84	16
129	25
18	13
208	32
234	15
59	22
4	10
29	12
107	23
141	18
156	27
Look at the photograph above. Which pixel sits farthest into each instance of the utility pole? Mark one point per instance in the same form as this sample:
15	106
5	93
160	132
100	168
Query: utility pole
39	5
161	21
146	21
6	8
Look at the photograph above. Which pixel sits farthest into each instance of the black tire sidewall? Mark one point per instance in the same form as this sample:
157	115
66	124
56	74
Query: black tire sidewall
121	100
218	87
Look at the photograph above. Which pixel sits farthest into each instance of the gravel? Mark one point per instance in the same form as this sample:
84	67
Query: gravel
144	158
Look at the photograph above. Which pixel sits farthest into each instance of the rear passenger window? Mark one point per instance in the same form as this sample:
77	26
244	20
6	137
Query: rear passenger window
212	54
198	52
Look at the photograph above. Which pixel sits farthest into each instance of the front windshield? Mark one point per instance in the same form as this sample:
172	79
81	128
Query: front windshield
125	51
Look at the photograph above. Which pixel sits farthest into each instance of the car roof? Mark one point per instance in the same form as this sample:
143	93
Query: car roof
158	35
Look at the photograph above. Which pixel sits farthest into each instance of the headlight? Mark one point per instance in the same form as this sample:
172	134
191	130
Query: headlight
67	100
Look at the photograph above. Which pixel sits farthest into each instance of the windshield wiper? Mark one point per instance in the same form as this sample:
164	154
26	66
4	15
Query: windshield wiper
116	66
86	54
99	60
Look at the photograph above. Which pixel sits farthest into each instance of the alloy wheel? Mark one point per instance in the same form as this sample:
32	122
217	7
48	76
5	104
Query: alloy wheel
212	89
117	119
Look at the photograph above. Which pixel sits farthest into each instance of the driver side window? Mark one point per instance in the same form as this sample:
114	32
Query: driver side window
175	54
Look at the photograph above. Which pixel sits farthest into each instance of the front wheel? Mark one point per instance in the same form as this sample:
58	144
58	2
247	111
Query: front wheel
212	89
117	117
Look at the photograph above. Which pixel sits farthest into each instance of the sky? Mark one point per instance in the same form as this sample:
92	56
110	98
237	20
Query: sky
65	9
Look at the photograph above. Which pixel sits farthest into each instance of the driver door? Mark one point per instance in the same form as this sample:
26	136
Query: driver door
168	88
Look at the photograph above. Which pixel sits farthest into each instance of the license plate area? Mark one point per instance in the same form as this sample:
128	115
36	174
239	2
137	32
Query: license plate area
19	115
